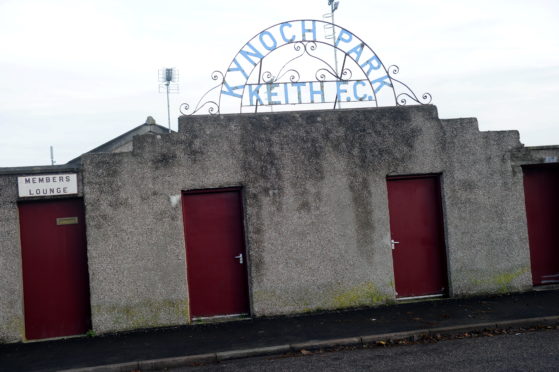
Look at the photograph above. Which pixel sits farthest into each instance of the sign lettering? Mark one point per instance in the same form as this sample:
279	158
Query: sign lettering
308	92
346	70
47	185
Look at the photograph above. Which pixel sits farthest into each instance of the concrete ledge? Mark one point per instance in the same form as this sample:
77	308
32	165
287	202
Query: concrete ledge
527	322
120	367
247	353
161	364
20	171
313	345
461	328
394	336
174	362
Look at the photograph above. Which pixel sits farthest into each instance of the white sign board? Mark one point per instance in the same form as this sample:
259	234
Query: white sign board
47	185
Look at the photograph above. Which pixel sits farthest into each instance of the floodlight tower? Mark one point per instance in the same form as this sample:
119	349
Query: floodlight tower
168	79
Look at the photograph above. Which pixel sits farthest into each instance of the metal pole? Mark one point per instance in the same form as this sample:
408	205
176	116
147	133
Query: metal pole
334	37
168	107
334	42
51	155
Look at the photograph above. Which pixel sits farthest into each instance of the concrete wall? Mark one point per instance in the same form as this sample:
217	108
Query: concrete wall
316	215
136	248
11	291
12	325
316	211
535	155
487	235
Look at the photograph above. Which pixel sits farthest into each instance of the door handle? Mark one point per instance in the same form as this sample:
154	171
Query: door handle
240	258
393	244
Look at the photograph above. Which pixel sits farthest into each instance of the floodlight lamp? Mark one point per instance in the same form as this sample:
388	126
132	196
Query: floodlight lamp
168	75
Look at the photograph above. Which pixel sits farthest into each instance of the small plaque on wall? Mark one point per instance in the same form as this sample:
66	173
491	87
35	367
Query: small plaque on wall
67	221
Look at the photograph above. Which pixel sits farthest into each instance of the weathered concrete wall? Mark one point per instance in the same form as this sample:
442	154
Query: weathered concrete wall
12	327
487	235
11	288
535	155
317	223
315	204
135	246
124	148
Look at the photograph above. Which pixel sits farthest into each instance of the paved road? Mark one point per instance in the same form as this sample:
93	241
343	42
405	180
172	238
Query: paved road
532	351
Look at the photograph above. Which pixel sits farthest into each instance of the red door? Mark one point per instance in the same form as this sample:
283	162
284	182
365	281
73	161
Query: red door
55	277
215	253
416	225
541	194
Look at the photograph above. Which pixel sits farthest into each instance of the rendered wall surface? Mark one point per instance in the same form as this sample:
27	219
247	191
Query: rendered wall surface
135	242
487	235
12	324
315	204
316	212
536	155
11	291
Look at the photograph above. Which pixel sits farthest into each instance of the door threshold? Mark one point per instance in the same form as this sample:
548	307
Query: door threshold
413	298
220	318
55	338
546	287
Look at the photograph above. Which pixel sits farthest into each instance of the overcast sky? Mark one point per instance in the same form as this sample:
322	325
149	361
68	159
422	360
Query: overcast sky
75	74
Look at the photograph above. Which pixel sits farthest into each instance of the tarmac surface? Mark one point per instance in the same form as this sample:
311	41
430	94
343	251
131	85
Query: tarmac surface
183	345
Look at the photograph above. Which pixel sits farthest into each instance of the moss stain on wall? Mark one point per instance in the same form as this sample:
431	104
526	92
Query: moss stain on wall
15	326
503	281
366	294
268	298
145	314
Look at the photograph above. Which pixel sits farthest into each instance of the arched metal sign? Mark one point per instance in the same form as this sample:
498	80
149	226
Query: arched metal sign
288	64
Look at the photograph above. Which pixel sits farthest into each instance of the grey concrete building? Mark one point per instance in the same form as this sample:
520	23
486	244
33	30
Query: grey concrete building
322	205
123	143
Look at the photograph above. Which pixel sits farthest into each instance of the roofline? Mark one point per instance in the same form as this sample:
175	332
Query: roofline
131	132
36	169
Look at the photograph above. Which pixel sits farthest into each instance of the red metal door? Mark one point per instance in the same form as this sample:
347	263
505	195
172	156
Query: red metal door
215	253
55	276
416	226
541	194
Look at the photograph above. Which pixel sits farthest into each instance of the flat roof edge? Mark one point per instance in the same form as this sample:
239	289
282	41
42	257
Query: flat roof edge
40	169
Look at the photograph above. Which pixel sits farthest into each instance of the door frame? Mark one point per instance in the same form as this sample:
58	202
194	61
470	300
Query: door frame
42	199
248	270
443	220
528	167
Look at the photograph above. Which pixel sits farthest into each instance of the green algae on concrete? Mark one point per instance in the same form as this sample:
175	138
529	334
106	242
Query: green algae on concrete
366	294
145	314
505	280
282	303
501	283
15	327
